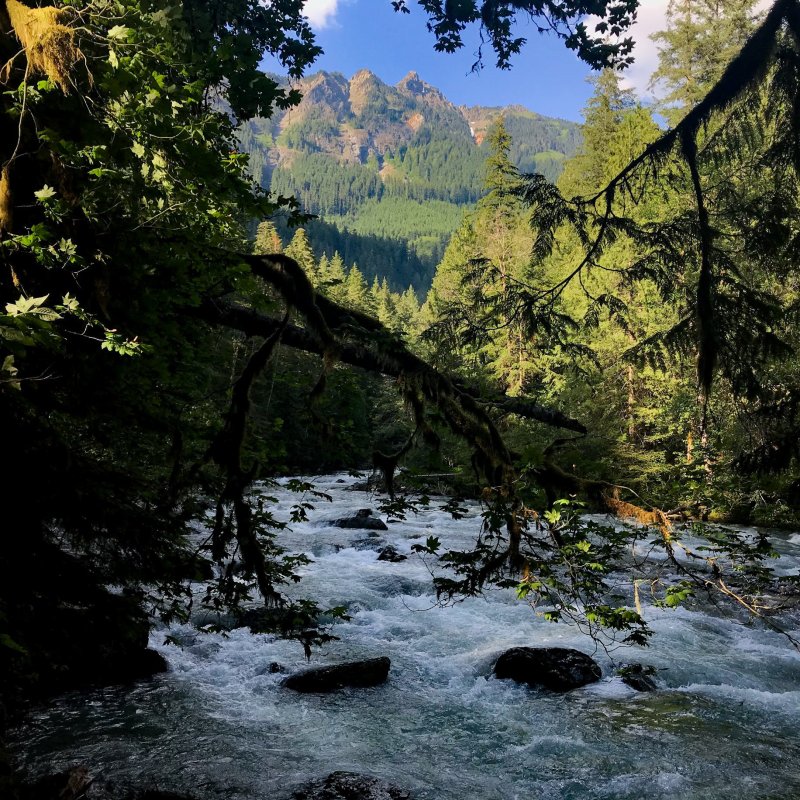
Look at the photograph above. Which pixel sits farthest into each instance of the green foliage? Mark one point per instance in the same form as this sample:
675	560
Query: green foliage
121	222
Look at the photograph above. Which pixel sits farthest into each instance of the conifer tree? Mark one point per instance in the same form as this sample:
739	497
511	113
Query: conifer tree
334	286
384	304
356	291
701	38
323	273
603	117
407	311
300	250
267	239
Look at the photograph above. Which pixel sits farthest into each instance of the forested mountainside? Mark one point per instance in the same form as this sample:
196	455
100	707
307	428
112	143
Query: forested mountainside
390	169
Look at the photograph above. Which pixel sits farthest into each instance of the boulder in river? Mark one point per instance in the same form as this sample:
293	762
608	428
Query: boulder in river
371	541
389	553
557	668
364	519
369	672
350	786
638	677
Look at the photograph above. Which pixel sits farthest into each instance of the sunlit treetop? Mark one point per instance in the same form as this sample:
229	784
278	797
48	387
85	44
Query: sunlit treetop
600	47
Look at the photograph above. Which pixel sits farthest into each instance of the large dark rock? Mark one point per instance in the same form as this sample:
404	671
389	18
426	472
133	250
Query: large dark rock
638	677
350	786
557	668
369	672
389	553
363	519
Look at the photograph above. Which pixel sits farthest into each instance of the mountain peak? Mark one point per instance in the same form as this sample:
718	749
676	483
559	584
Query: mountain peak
364	74
366	77
414	84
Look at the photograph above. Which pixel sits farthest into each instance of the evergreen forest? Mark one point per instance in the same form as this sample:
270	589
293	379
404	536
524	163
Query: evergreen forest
219	282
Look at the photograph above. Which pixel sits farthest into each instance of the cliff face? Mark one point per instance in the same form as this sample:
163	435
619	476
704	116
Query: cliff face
363	118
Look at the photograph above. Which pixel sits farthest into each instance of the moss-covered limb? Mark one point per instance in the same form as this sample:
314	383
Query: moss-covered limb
226	450
332	328
707	346
535	411
364	354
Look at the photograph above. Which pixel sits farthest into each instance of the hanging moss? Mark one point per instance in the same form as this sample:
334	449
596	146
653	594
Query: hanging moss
6	206
48	43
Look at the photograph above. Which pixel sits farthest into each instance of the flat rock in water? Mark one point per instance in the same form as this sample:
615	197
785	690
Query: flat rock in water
363	519
350	786
369	672
557	668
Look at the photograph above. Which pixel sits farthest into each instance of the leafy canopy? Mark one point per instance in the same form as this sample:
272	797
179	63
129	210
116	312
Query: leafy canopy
565	18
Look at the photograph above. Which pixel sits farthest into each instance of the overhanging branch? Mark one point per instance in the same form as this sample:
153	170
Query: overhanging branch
397	362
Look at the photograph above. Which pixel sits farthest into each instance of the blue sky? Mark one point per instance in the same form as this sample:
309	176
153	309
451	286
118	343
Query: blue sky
546	77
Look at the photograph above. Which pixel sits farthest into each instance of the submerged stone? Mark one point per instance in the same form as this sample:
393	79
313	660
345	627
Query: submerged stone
369	542
350	786
556	668
368	672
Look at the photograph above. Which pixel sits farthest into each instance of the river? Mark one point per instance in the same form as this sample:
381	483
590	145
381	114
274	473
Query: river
726	718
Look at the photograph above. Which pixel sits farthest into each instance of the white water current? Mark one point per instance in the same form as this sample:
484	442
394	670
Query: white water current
724	722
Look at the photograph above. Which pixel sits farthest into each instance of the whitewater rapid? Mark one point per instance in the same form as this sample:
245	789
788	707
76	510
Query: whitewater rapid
726	717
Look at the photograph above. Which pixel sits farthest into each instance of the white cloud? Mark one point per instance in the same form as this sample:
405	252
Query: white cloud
321	13
650	18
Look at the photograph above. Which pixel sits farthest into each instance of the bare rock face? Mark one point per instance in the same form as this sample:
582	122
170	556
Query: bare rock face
369	672
350	786
556	668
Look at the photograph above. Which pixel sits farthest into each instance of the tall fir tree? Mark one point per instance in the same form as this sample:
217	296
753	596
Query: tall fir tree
356	291
300	250
700	39
334	286
267	240
603	116
383	303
